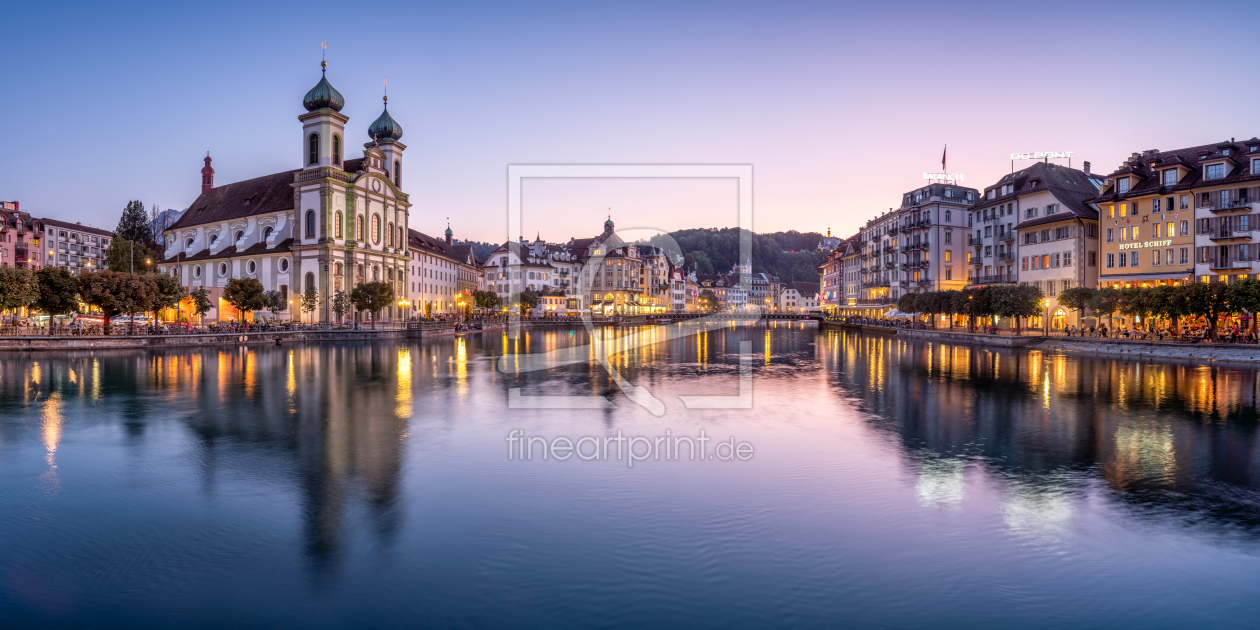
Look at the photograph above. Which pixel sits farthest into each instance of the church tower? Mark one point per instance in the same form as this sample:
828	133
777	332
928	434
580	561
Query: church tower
386	133
323	125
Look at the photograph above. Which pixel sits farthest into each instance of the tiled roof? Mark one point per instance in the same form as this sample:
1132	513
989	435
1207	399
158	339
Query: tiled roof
805	289
230	251
78	227
269	193
1147	166
1071	187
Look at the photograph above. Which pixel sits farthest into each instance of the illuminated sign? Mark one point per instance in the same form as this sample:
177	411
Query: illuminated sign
1145	244
1041	155
944	177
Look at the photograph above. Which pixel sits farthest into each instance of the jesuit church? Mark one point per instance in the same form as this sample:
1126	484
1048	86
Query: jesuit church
328	225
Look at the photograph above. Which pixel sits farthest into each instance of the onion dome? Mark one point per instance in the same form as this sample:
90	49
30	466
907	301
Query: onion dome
385	126
608	225
323	95
448	231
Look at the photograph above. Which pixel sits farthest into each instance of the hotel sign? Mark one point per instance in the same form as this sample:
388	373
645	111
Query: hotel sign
1041	155
1145	244
944	177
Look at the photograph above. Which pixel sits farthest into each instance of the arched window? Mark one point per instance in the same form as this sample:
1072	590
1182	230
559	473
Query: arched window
358	229
948	216
376	272
188	243
310	224
336	150
313	143
376	229
359	270
310	281
391	234
398	173
337	269
338	226
401	241
267	232
239	234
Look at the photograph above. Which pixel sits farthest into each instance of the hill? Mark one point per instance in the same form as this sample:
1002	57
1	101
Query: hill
788	255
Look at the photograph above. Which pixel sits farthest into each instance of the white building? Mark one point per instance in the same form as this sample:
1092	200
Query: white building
75	246
442	277
798	298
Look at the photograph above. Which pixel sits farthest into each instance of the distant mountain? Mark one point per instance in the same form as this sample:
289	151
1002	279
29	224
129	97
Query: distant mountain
789	255
480	250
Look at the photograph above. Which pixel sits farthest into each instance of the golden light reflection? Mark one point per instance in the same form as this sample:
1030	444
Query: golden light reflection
50	428
403	396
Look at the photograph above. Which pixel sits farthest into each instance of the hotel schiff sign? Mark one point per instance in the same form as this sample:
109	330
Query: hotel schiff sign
1145	244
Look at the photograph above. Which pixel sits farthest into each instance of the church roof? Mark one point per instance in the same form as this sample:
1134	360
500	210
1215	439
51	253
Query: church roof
230	251
260	195
323	95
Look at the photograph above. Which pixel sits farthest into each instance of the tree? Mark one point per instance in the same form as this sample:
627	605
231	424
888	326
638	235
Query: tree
488	300
1209	300
275	302
166	293
1135	302
1105	302
1077	299
115	292
708	299
18	288
122	258
58	291
246	294
1245	295
310	299
372	297
1017	302
527	299
135	225
1165	303
201	303
959	304
908	303
341	304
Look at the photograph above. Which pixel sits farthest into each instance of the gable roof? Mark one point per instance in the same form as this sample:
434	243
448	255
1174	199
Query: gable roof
1071	187
805	289
1147	165
261	195
79	227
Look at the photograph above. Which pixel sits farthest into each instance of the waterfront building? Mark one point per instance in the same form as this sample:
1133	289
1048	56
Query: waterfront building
1227	226
323	227
759	291
21	242
75	246
798	298
677	291
851	263
442	277
831	280
1034	226
1147	219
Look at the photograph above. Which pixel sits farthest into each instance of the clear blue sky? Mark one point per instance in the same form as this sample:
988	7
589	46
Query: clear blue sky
839	108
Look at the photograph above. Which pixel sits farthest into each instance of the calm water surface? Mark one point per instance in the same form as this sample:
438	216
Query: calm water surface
368	485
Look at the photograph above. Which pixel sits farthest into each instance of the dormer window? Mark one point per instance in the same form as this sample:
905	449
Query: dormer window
1170	177
1255	167
1122	185
1225	152
1214	171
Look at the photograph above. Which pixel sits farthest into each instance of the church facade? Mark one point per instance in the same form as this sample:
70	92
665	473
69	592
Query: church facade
323	227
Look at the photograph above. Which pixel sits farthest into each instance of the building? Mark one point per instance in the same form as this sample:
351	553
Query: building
1225	188
851	262
798	298
1146	219
21	238
320	228
75	246
442	277
831	279
1034	226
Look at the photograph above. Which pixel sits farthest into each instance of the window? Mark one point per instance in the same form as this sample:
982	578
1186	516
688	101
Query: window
267	232
1170	177
1184	202
949	215
949	256
1093	259
1185	255
197	271
1134	235
358	229
1111	212
398	173
336	150
1093	231
1054	260
313	149
1168	256
1067	259
949	274
376	229
1185	227
1052	208
1156	231
1255	166
949	236
1155	257
310	224
188	242
251	267
1111	235
222	269
284	264
1124	259
1124	210
391	234
1214	171
310	282
1122	185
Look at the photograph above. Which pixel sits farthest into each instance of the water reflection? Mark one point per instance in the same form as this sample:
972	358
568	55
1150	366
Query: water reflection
1168	438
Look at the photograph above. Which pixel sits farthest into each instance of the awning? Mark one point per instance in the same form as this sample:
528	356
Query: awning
1139	277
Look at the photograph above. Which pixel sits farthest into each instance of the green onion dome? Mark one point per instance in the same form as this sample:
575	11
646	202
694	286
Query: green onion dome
385	126
323	95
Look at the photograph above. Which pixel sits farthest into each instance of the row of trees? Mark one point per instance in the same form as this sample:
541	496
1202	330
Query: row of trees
1015	302
1209	300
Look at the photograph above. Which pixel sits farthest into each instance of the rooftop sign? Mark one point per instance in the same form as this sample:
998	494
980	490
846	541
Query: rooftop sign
943	177
1042	155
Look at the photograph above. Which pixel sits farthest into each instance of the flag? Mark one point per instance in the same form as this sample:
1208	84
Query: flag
943	169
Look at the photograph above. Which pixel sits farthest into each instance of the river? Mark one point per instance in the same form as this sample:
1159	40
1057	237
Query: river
886	482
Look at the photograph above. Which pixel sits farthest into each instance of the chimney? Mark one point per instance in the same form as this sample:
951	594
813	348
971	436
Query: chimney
1087	169
207	176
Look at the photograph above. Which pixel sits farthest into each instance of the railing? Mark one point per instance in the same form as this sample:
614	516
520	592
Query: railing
881	300
1216	205
1229	264
1006	256
974	242
1226	234
994	279
1008	235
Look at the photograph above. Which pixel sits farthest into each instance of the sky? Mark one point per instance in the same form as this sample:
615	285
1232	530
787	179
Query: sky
839	107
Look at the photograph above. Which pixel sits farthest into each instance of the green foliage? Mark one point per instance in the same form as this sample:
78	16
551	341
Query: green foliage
1105	302
310	299
788	255
18	288
708	300
246	294
276	302
1245	295
58	291
1209	300
120	256
115	292
527	300
488	300
166	292
135	225
372	297
1077	299
201	301
341	304
908	303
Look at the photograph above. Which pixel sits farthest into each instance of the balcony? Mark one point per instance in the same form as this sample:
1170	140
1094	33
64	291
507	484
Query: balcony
1225	235
1216	205
1007	256
974	242
893	229
1001	278
879	300
1008	236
